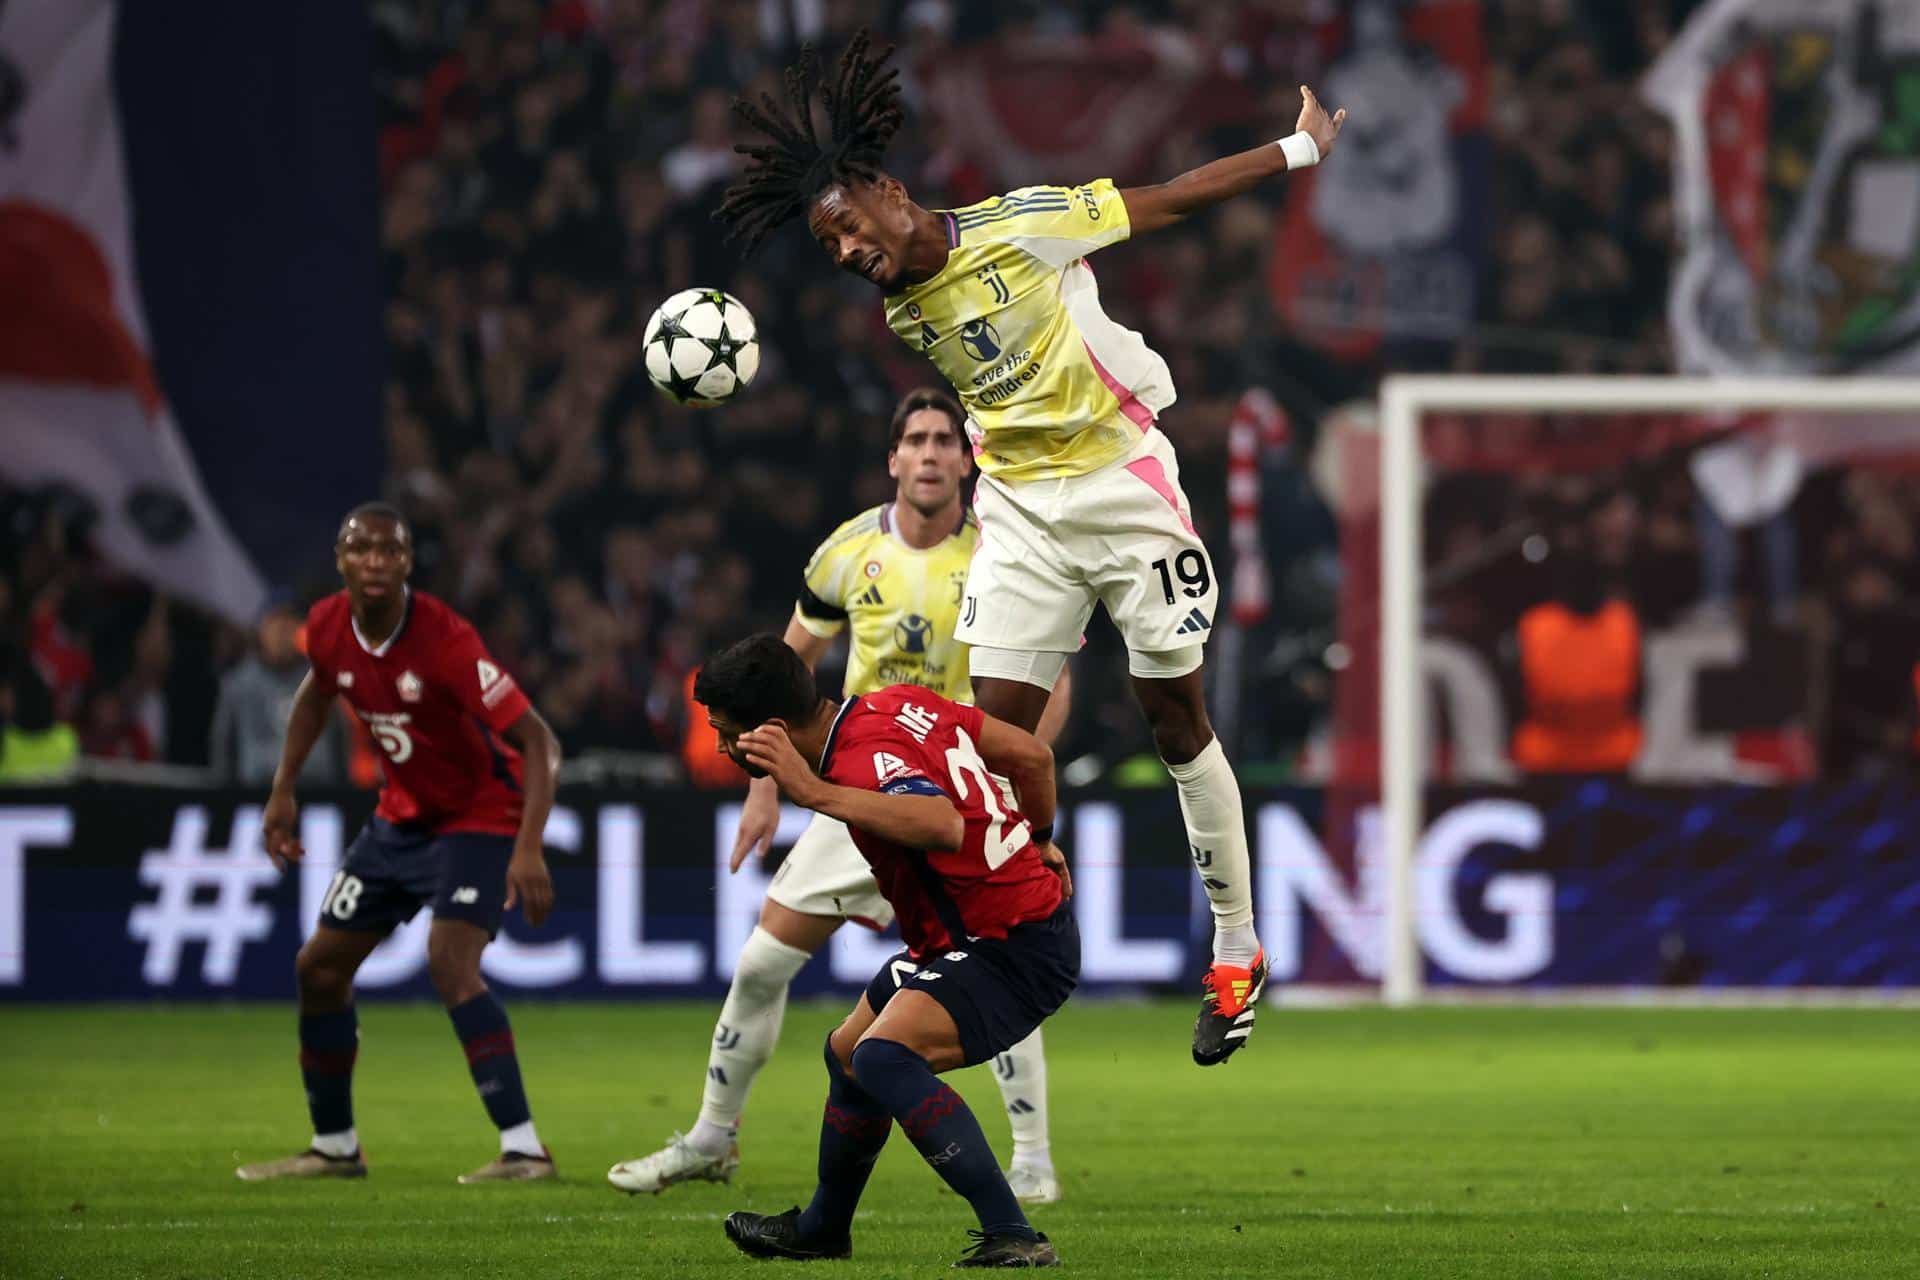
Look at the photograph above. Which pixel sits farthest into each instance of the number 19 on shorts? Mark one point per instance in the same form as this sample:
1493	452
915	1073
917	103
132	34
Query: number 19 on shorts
1191	568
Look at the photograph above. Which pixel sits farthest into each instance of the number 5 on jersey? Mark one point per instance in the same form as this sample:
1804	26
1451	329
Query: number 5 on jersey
394	740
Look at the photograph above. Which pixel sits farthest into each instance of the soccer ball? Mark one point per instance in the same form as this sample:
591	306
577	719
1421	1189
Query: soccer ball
701	347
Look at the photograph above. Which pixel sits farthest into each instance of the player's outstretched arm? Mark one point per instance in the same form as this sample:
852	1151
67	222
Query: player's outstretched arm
1151	208
919	820
312	703
528	882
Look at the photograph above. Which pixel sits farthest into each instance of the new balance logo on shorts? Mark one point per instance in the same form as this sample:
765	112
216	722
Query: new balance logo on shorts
1196	623
466	895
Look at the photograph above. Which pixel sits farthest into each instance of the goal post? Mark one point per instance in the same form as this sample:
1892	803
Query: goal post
1404	402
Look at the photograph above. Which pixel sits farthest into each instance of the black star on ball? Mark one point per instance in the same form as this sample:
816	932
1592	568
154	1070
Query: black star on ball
683	389
725	349
670	328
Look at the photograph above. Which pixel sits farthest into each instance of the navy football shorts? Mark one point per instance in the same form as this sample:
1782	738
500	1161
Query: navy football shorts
997	989
391	872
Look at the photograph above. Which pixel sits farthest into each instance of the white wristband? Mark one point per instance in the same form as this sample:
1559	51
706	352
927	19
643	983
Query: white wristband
1301	150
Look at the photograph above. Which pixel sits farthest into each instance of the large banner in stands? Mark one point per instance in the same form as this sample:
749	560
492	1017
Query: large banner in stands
1797	186
1384	244
113	892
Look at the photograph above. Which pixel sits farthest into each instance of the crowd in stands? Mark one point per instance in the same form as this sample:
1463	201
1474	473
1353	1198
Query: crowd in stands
549	168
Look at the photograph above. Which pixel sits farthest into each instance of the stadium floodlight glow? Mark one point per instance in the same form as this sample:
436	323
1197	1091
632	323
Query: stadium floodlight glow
1403	401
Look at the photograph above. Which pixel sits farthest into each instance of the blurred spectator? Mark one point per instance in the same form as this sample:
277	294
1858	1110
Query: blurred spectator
34	747
110	731
1580	667
256	698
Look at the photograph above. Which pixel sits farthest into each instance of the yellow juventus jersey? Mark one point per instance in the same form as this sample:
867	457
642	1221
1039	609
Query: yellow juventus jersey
903	604
1052	387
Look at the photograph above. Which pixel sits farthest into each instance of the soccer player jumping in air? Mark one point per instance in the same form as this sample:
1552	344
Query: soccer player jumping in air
980	890
1079	498
469	780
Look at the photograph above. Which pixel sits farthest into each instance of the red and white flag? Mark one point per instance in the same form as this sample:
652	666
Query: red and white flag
80	404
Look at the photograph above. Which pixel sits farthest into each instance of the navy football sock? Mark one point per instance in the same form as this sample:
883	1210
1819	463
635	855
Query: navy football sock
852	1132
481	1023
943	1129
329	1042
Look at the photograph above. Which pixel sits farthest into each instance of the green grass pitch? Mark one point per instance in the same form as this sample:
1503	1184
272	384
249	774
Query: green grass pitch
1342	1143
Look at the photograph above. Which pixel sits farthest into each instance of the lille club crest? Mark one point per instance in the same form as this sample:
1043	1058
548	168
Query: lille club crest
1796	186
409	686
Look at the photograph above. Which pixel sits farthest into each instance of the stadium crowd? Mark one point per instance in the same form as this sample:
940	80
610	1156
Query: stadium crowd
549	169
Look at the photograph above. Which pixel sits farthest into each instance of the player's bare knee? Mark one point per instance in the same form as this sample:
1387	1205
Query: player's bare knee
322	978
1176	712
1180	731
454	971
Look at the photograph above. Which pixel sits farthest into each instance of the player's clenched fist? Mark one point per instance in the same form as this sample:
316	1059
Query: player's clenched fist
277	828
1056	862
1315	122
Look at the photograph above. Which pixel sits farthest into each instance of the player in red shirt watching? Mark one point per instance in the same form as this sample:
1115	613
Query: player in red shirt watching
979	890
469	768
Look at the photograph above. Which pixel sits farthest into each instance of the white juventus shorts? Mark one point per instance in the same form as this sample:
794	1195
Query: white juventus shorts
825	875
1122	536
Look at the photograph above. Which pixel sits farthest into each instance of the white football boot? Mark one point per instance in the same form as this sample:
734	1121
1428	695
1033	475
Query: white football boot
675	1162
1033	1186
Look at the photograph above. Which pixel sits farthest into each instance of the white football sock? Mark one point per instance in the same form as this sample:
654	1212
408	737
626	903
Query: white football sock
743	1040
344	1143
1217	841
1022	1073
521	1138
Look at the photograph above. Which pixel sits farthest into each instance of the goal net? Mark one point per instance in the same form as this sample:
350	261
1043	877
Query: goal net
1639	680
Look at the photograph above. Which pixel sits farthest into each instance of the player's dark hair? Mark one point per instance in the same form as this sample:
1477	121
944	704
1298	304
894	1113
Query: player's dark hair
782	178
924	398
377	511
756	680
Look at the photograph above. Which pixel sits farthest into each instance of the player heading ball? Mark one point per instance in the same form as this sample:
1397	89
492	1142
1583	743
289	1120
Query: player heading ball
1079	491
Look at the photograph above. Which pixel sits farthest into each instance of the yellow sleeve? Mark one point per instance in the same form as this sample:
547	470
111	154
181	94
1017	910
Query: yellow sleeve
822	607
1055	224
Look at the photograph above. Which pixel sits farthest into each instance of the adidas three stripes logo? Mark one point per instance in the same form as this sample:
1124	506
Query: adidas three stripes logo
1195	623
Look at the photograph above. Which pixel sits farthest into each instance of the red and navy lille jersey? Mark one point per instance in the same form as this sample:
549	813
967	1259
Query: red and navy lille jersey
435	702
906	740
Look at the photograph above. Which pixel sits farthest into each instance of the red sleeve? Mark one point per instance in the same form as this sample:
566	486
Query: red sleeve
480	684
972	719
873	751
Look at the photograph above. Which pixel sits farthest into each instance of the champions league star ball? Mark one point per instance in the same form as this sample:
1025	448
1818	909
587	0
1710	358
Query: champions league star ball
701	347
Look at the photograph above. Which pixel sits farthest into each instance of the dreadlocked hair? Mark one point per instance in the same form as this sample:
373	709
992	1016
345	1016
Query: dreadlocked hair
783	177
